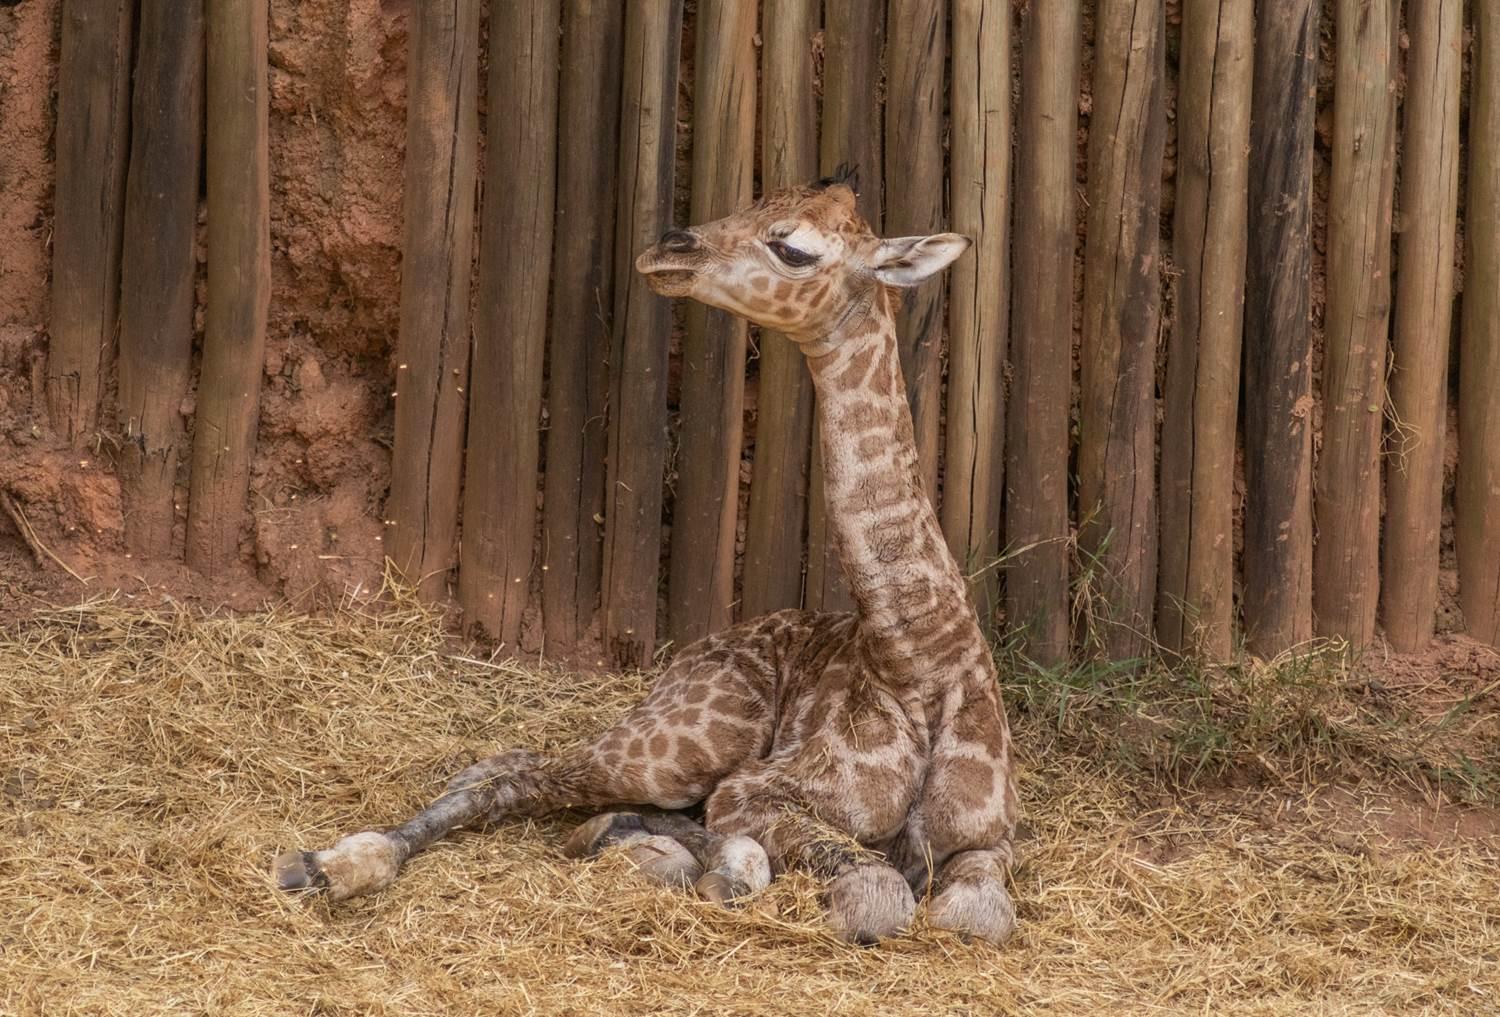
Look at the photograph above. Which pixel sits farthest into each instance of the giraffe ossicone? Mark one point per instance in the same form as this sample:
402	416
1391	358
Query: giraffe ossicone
870	748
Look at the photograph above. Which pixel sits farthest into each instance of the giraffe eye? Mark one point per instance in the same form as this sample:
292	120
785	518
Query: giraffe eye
790	255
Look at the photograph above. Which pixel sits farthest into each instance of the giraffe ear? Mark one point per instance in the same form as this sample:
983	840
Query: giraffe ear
906	261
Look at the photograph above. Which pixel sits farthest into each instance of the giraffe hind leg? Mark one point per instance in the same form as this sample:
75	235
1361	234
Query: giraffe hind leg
516	783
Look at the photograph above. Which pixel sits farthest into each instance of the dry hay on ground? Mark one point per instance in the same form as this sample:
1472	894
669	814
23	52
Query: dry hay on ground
152	764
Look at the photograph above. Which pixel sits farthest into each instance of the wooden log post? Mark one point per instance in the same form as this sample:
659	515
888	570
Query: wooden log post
510	326
1044	235
1477	500
979	183
700	585
1346	558
915	59
1278	335
1424	311
642	320
93	142
1195	592
158	266
432	349
582	303
853	41
237	160
1121	317
778	486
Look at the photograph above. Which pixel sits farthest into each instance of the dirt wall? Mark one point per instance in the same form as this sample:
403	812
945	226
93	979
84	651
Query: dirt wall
337	100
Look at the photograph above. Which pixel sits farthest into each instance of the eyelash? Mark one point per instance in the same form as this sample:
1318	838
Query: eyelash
790	255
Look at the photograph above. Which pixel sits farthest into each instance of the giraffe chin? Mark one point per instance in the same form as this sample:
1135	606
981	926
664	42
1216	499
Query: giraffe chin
671	282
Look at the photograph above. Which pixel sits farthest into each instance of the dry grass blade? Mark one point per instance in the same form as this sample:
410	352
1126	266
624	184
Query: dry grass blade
151	764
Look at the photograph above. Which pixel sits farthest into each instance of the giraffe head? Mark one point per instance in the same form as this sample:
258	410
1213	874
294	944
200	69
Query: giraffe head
794	261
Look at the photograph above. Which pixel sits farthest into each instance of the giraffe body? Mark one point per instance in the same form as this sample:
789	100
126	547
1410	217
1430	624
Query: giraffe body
869	748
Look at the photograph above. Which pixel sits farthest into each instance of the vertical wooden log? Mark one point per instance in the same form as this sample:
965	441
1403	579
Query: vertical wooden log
510	327
1041	332
1346	559
158	266
93	141
1195	595
978	299
642	320
1424	309
1278	336
778	487
239	281
700	587
1045	232
1477	501
1121	317
582	303
853	40
442	131
915	60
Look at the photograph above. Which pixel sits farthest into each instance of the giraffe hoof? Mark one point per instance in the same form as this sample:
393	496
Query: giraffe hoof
740	868
603	830
298	870
357	865
663	860
974	910
869	903
720	889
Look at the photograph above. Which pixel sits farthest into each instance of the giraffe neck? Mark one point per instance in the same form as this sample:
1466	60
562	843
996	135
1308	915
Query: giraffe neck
912	600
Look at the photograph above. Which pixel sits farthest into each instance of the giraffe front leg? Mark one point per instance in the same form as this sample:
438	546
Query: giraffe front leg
866	898
970	897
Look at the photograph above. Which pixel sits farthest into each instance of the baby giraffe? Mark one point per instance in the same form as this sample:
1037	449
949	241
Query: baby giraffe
870	749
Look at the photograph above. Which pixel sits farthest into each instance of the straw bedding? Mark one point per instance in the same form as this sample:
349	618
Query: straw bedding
152	763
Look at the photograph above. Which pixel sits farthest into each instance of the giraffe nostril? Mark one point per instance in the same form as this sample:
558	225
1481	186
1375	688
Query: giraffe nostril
679	241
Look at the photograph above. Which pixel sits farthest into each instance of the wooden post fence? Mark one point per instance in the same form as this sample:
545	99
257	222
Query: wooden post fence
915	55
979	184
778	485
510	325
432	351
93	142
1044	237
1121	316
572	552
700	587
638	357
1346	559
853	40
1278	332
239	280
1424	312
1195	595
1477	508
159	266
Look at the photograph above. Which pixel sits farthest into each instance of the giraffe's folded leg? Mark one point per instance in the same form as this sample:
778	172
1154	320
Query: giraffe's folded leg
657	856
970	897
